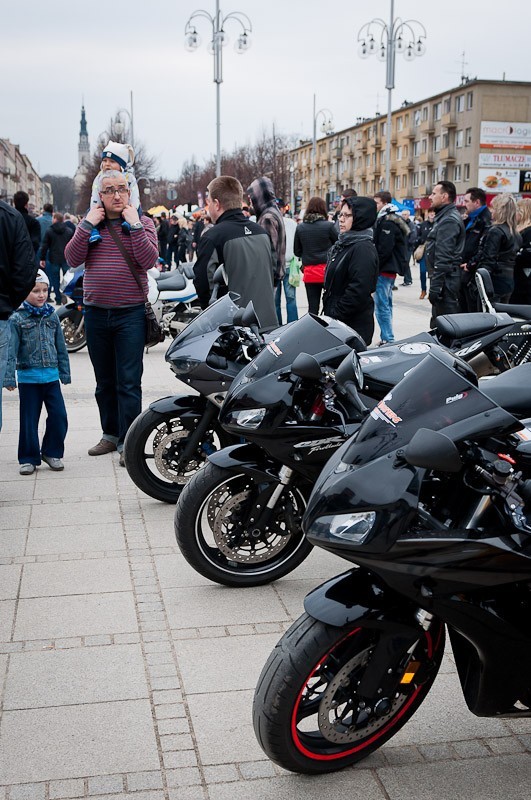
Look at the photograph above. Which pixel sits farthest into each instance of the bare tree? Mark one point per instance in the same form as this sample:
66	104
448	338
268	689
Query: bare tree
64	192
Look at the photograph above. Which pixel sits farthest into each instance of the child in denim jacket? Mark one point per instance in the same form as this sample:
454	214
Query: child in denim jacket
38	350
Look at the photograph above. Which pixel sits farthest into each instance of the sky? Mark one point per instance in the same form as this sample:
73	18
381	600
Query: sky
61	53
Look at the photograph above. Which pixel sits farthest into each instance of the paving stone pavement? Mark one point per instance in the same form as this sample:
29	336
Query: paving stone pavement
125	673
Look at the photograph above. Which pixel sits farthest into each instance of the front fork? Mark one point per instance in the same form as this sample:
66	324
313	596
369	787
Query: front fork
261	513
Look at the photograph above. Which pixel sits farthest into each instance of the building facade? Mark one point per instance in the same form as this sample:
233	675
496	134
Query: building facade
17	174
477	134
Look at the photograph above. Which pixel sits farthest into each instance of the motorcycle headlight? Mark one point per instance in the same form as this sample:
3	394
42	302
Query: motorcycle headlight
182	366
250	418
349	527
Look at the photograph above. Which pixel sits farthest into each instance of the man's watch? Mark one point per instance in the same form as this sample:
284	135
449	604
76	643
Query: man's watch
136	226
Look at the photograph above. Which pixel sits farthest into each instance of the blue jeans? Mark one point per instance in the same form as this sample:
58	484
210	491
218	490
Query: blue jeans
54	276
32	396
383	307
115	341
423	270
291	300
5	336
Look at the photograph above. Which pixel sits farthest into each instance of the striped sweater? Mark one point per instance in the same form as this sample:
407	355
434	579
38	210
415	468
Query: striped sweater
108	282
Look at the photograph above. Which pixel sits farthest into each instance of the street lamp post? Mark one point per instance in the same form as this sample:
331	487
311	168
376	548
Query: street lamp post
292	188
219	38
119	126
399	36
327	127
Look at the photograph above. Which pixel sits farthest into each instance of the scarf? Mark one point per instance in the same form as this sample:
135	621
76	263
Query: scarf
347	239
472	216
45	311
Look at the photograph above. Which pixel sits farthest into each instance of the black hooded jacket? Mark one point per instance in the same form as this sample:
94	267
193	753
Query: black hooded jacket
262	196
17	260
55	240
352	271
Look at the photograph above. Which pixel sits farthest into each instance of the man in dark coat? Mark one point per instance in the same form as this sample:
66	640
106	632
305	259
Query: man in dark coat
263	199
478	219
20	201
390	237
53	253
444	251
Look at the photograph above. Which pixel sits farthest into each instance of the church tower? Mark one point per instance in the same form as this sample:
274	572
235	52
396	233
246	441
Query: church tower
83	148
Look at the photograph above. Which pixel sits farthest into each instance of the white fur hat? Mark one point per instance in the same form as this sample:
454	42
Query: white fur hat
123	154
42	277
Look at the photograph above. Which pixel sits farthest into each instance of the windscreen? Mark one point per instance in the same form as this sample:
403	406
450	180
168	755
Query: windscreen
433	395
222	311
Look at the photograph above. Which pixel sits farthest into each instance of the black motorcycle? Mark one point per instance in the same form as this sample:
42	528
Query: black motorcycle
170	440
431	499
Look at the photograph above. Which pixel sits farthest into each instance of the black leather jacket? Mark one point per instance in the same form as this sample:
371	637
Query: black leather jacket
17	260
498	249
444	246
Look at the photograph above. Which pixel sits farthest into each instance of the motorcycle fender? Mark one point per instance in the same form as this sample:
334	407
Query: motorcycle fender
64	311
246	458
355	597
182	405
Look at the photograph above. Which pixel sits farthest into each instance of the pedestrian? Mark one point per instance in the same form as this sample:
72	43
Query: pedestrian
241	246
314	236
290	292
264	202
444	251
17	276
420	252
198	229
182	241
344	194
499	246
20	201
115	320
53	254
69	222
411	244
390	238
172	253
38	351
352	268
522	268
44	220
477	220
189	240
163	236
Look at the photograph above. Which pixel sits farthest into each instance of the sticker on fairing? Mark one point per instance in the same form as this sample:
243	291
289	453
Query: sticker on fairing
274	348
386	414
369	359
454	398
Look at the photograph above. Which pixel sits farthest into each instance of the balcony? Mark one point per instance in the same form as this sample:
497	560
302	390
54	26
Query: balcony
449	120
377	142
410	132
426	126
447	154
426	160
410	164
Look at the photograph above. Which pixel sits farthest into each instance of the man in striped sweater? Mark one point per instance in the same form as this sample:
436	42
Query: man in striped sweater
115	312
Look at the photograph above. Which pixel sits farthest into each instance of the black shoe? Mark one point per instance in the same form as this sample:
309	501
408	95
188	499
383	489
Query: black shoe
395	288
408	283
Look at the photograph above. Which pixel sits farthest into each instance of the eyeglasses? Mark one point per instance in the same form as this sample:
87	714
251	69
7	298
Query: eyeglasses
110	190
344	216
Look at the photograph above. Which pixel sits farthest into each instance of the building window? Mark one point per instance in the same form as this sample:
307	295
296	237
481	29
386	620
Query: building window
399	153
404	181
400	124
383	128
459	138
382	157
405	151
466	172
460	103
415	180
445	140
425	113
397	181
416	118
434	176
457	172
436	144
469	101
468	137
437	111
447	105
423	176
416	148
424	144
406	120
367	161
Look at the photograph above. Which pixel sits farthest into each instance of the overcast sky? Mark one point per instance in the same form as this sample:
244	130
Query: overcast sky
54	53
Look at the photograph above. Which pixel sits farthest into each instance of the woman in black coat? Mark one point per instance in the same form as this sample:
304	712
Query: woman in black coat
522	267
352	268
499	246
313	238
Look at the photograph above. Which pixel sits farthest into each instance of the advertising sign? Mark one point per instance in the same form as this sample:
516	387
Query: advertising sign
505	135
499	180
525	181
505	160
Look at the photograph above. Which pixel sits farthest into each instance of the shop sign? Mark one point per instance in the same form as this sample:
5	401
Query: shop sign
499	180
525	180
505	134
505	160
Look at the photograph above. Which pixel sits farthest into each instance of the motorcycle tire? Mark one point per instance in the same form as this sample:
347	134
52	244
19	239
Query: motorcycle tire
215	540
74	340
305	698
154	442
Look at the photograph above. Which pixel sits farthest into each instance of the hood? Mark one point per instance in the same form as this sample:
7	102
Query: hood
58	227
364	210
262	194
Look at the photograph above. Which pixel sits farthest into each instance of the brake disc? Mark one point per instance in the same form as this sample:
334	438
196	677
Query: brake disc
163	441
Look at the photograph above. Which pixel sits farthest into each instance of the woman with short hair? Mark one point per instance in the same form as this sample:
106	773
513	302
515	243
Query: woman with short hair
313	238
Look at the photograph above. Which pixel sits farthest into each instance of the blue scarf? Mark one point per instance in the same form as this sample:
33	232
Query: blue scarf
45	311
472	216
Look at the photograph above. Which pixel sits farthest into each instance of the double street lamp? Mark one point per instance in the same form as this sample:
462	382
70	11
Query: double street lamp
219	39
384	41
119	126
327	126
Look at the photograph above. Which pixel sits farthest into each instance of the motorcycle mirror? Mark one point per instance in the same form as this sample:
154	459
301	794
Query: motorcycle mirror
218	280
249	318
433	450
238	317
306	366
349	371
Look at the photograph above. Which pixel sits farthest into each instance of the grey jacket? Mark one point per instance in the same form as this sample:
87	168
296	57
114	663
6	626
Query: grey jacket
444	246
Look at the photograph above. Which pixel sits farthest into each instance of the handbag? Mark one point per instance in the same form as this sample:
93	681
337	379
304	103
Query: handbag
154	331
294	272
419	251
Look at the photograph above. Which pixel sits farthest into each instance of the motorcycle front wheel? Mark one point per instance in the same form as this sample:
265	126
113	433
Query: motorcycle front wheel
152	449
214	530
73	327
306	713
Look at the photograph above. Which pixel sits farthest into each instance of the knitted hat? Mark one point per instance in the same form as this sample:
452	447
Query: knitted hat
42	277
123	154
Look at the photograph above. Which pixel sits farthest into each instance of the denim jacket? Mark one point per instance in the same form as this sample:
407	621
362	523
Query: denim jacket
36	342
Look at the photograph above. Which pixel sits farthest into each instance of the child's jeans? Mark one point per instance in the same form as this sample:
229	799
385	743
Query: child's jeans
32	396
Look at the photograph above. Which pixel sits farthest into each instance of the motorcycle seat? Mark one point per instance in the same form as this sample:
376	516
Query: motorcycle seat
188	271
459	326
511	390
515	311
175	282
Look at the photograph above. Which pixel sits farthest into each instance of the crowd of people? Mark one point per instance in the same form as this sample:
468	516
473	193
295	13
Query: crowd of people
348	259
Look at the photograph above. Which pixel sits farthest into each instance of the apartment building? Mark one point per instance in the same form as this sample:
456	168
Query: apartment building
17	173
477	134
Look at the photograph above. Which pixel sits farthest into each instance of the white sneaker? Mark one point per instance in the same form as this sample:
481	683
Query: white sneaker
54	463
27	469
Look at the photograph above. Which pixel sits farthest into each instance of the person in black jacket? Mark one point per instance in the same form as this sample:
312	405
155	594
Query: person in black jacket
162	234
20	201
424	229
499	246
53	253
390	237
478	219
17	276
352	268
313	238
444	251
522	267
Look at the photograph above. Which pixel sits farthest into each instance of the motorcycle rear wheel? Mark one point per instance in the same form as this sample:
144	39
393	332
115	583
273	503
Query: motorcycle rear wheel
306	696
213	536
152	446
